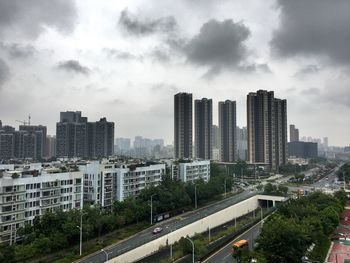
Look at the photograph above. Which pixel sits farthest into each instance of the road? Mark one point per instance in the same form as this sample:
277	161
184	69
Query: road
172	224
224	255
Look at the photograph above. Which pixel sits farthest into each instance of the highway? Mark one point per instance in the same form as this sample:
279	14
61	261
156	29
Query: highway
224	254
168	226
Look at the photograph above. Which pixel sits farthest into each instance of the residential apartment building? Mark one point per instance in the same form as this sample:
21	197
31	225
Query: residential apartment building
190	171
76	137
183	125
27	193
203	112
105	182
27	143
293	133
267	129
228	131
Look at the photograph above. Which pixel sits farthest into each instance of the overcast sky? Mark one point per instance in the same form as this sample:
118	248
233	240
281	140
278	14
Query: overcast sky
126	59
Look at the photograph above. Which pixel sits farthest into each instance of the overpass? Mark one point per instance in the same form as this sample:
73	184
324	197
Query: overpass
173	233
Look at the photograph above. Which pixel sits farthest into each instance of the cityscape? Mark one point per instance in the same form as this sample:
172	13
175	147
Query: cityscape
157	132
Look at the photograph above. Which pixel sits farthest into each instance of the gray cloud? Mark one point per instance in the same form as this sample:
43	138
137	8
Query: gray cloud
121	55
218	45
4	72
139	27
15	50
29	17
311	91
313	27
307	70
73	66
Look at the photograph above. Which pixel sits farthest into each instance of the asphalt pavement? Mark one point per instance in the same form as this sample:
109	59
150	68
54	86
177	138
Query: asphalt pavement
224	255
169	225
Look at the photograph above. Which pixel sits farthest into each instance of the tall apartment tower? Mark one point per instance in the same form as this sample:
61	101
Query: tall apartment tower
203	115
183	125
38	134
293	133
267	129
228	131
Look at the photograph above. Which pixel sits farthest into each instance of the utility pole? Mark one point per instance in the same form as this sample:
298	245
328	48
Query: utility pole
195	196
81	233
209	233
225	187
152	208
192	248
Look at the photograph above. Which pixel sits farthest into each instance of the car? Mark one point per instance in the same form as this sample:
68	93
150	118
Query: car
157	230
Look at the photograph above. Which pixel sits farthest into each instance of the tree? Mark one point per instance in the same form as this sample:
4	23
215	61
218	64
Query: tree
283	240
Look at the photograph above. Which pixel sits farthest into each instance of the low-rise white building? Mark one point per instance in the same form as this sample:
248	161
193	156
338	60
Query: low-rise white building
189	171
105	182
25	194
134	178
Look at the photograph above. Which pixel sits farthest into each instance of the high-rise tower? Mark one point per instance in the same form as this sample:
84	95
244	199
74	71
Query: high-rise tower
228	131
203	111
183	125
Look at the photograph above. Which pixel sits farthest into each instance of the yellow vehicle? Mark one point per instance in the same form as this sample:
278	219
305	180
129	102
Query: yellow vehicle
239	246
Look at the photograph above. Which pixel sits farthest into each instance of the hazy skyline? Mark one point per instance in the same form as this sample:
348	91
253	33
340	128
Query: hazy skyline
125	60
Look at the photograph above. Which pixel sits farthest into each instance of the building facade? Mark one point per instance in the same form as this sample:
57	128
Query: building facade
228	131
191	171
106	182
29	193
183	125
293	133
304	150
203	111
76	137
267	129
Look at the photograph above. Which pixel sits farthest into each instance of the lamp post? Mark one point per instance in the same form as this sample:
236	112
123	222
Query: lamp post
195	196
152	208
105	253
225	187
81	234
192	248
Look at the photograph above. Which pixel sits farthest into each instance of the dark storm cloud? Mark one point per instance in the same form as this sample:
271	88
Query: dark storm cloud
313	27
218	45
29	17
136	26
73	66
15	50
4	72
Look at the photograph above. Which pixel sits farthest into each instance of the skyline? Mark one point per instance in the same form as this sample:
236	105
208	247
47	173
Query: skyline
137	55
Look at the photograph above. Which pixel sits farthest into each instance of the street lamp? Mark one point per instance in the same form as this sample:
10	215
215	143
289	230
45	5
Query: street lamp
195	196
225	187
152	208
106	253
81	233
192	247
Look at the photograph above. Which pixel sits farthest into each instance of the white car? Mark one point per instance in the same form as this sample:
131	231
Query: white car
157	230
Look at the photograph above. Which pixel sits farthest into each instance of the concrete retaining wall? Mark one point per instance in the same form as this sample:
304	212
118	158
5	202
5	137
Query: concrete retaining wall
200	226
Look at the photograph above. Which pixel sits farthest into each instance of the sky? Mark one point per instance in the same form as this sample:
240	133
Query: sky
125	60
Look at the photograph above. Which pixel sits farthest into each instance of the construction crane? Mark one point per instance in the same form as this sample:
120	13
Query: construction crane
25	122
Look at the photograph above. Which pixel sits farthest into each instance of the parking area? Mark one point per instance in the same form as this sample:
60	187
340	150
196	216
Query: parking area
340	248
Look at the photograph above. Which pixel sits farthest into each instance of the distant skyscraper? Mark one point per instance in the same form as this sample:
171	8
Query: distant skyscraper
267	129
203	111
293	133
183	125
50	146
215	137
325	142
228	131
242	143
123	145
37	133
